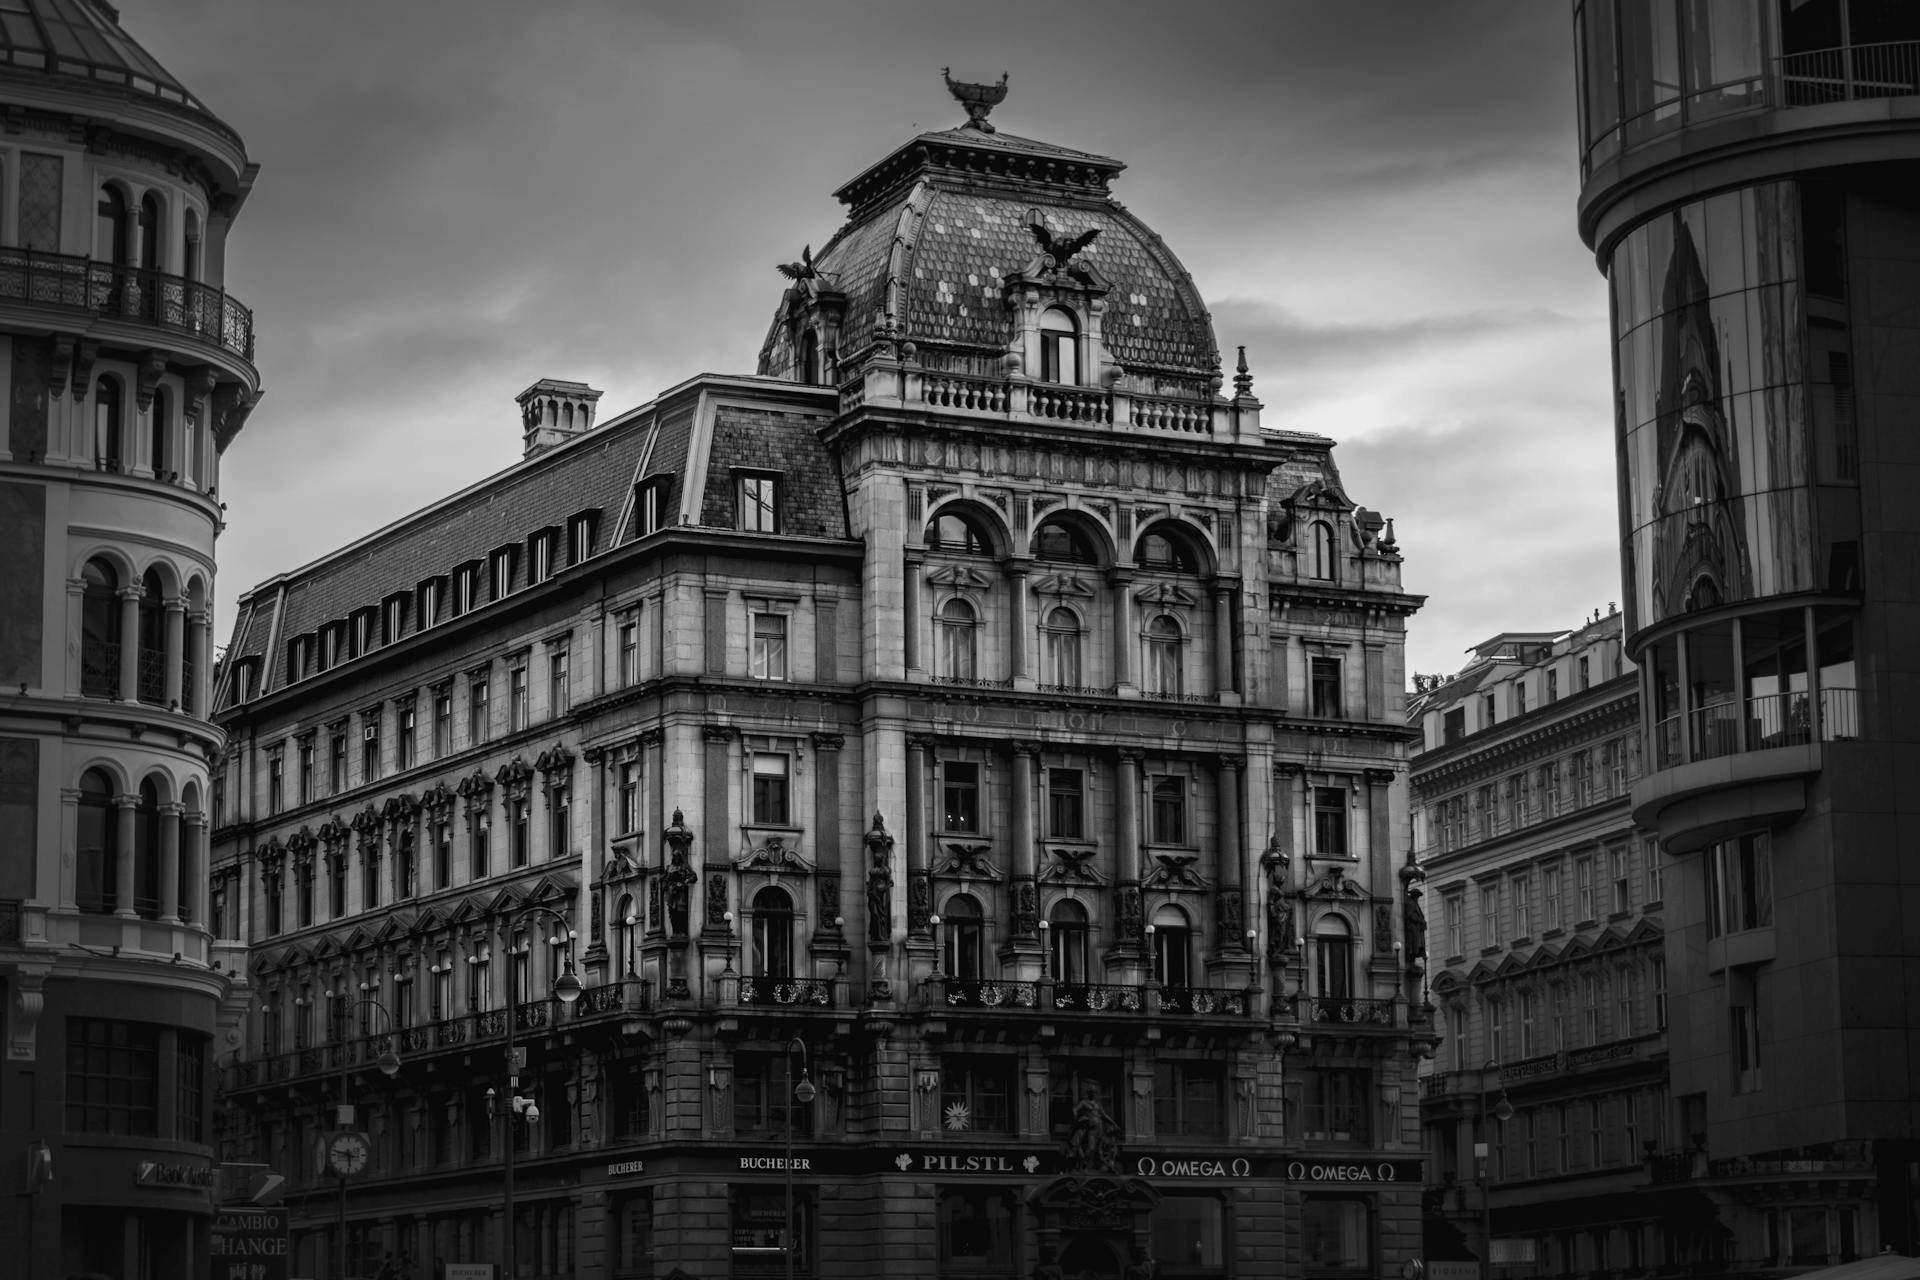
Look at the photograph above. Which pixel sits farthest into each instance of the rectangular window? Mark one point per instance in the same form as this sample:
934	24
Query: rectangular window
336	885
1189	1100
1583	888
627	798
113	1077
757	1225
1496	1031
1455	930
303	893
1486	711
1622	898
442	722
629	650
559	688
189	1087
1590	1009
1489	915
1657	965
759	503
769	660
1623	1006
559	821
1330	822
1522	890
1169	809
477	709
770	788
370	747
403	739
1324	676
1553	686
763	1102
649	504
977	1094
518	819
369	878
519	709
1066	810
960	795
1550	897
1338	1105
579	539
978	1228
276	789
1527	1048
1453	724
1335	1235
482	844
466	588
540	565
1583	674
1739	884
1656	878
442	836
306	771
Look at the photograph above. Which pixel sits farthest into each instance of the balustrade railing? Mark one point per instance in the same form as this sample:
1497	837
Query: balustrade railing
944	391
1068	404
795	992
1171	415
129	293
989	993
1849	73
1758	723
1344	1009
1097	997
623	995
1231	1001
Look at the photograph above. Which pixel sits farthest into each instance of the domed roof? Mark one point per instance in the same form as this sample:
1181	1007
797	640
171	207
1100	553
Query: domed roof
936	228
82	38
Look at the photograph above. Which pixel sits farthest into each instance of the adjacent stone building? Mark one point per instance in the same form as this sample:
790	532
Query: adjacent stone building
126	369
961	765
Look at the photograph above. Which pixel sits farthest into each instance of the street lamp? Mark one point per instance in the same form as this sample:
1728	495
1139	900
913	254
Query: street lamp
1503	1112
567	987
389	1064
803	1093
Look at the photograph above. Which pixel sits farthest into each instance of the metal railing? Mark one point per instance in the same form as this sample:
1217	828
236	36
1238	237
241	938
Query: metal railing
1839	714
1228	1001
153	675
1764	722
1098	997
100	669
989	993
814	993
1344	1009
1848	73
127	293
1335	1122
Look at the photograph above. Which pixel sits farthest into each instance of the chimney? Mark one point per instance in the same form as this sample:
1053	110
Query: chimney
553	411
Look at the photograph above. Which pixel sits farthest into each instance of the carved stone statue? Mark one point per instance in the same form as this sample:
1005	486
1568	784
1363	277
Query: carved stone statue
1093	1144
681	877
1415	926
879	882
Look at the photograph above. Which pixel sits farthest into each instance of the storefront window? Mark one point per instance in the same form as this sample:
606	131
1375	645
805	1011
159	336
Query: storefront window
978	1227
760	1231
1335	1235
631	1227
1188	1236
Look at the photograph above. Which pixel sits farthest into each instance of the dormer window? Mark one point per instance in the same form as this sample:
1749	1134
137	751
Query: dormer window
466	587
432	600
500	574
650	504
1059	352
810	358
394	618
332	645
759	502
580	536
540	556
363	638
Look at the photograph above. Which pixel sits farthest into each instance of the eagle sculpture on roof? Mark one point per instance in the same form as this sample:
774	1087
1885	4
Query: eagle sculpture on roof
1061	251
803	269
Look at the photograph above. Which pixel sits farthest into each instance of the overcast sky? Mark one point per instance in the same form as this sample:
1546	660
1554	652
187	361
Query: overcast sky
458	197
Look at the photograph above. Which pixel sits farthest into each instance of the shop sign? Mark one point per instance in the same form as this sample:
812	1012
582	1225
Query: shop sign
1193	1167
949	1162
626	1168
249	1244
1453	1271
467	1271
1363	1172
152	1173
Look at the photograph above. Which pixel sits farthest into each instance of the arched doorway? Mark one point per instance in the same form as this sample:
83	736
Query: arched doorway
1089	1256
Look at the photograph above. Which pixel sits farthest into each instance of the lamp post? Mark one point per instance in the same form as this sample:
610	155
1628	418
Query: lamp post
389	1063
567	987
802	1093
1503	1112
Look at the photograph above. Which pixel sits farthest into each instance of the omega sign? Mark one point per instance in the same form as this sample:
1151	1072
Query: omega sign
1177	1167
1354	1171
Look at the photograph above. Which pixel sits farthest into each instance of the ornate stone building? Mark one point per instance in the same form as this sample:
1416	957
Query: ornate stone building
975	714
127	370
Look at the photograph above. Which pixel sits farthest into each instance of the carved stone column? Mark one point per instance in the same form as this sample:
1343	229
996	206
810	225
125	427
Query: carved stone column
830	868
123	863
130	643
1026	897
1230	916
919	890
176	637
714	861
193	870
1019	624
1121	581
202	704
1225	678
910	609
1128	917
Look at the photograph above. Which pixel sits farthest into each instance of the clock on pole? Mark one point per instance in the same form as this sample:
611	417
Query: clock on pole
347	1153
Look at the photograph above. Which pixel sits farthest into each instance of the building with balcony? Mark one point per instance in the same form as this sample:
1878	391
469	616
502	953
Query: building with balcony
1748	188
1546	963
974	712
128	371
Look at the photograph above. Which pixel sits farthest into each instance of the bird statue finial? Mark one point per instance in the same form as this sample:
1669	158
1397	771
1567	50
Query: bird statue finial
978	99
1058	254
803	269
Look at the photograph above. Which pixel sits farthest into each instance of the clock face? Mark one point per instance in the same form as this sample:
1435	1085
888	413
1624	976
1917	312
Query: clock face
347	1153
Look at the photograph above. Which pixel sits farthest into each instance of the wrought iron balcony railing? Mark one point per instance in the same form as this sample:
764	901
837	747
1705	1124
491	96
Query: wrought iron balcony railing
127	293
1098	997
100	669
1346	1009
799	993
990	993
1849	73
1761	723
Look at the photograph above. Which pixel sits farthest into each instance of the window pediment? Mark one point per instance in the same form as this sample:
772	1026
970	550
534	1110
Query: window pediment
1167	594
772	849
966	860
960	577
1174	870
1062	584
1072	864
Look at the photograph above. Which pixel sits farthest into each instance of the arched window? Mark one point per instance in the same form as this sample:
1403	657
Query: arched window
1063	543
1059	353
955	533
1063	648
106	424
150	233
1067	943
964	947
160	428
772	934
1333	959
97	849
959	641
627	924
146	853
111	243
810	358
153	640
1162	664
1172	948
1158	551
100	631
190	247
1320	551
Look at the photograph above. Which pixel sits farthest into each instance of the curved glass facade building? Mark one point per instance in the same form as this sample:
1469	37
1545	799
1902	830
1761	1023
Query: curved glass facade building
1750	171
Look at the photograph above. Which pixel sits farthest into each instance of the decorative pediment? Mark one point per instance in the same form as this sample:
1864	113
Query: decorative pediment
430	922
965	860
399	808
1545	957
1174	870
1481	972
1062	584
1166	594
620	865
367	821
1510	964
394	928
436	799
301	842
771	851
1319	493
333	831
1072	864
555	759
1646	929
475	785
359	940
294	956
957	576
325	948
1334	883
463	912
514	775
1446	981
